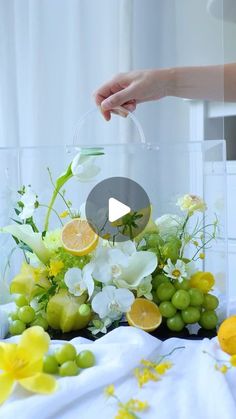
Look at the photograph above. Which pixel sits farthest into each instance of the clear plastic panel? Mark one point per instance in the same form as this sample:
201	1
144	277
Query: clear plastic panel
165	171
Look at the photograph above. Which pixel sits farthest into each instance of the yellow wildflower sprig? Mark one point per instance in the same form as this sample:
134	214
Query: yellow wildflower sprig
152	371
129	409
221	365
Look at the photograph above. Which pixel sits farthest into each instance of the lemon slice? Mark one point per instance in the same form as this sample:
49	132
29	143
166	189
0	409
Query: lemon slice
144	314
78	238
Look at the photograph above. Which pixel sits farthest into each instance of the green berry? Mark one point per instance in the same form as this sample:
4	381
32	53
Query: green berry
181	299
26	314
210	302
167	309
158	280
14	315
84	310
191	315
196	297
175	323
50	364
21	300
184	285
65	353
16	327
165	291
208	320
85	359
68	369
40	321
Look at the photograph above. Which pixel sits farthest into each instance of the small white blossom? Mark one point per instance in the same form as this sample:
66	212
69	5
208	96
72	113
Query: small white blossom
28	199
145	288
175	271
112	302
100	326
79	281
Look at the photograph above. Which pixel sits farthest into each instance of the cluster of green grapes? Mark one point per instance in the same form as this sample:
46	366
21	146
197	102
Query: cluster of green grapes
25	316
66	362
180	304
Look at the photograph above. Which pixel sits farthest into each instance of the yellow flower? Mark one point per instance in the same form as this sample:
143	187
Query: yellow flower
163	367
136	405
110	390
191	203
64	214
195	243
202	256
233	360
204	281
124	414
223	369
28	278
145	375
23	363
55	267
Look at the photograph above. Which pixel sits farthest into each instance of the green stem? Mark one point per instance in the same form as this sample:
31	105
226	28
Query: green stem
53	199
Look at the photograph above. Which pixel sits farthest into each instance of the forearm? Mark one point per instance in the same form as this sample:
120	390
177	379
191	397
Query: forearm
215	83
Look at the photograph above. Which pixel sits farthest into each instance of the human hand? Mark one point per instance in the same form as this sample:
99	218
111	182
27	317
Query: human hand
126	90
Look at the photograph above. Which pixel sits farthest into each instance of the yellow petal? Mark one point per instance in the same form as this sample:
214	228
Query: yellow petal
6	386
7	355
35	342
39	383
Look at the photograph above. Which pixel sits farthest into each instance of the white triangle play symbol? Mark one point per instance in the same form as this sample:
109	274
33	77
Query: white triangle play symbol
116	209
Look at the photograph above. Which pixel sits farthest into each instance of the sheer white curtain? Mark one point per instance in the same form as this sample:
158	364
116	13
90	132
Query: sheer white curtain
53	54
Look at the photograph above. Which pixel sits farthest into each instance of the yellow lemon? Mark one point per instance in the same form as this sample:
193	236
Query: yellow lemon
144	314
227	335
78	238
204	281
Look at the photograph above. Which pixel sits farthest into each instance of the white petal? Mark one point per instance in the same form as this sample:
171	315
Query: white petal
102	272
141	264
117	257
27	212
4	324
87	278
128	247
73	277
125	298
100	304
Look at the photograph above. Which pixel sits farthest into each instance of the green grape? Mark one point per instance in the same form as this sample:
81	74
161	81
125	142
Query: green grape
171	249
181	299
85	359
65	353
68	369
208	320
40	321
21	300
196	297
16	327
210	302
175	323
50	364
184	285
158	280
191	315
26	314
165	291
14	315
167	309
84	310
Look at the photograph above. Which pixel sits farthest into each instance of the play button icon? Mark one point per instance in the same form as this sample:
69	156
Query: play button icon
118	209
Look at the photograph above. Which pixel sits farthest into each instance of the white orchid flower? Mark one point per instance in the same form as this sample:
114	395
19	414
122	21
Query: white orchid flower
176	271
28	199
25	233
83	166
4	324
100	326
169	225
145	288
112	302
79	281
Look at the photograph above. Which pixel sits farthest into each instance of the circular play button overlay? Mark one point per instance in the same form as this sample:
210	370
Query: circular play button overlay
118	209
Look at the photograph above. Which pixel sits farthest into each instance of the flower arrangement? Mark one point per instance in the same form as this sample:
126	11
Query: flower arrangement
72	279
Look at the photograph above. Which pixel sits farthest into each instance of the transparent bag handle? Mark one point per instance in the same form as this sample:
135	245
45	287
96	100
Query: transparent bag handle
120	110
